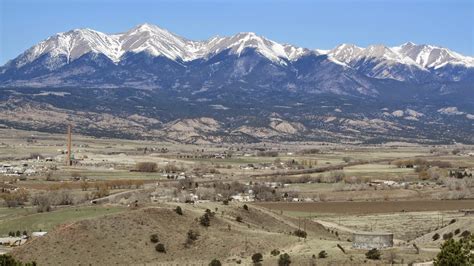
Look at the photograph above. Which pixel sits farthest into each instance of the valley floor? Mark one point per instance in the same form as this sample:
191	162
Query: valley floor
104	208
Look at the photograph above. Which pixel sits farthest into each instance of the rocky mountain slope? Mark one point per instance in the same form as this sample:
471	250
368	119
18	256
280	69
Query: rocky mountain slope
150	83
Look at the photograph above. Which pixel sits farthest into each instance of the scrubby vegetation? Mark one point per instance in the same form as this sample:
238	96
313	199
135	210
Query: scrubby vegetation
322	254
465	234
191	236
447	236
284	260
215	262
300	233
373	254
160	247
456	252
15	198
275	252
421	163
267	153
8	260
154	238
257	257
148	167
205	220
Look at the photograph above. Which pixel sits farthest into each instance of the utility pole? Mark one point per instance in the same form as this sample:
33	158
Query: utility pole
69	144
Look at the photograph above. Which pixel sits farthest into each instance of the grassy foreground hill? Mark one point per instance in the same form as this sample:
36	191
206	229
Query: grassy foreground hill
124	238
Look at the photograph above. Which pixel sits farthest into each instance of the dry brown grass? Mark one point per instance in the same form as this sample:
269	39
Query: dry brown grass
125	238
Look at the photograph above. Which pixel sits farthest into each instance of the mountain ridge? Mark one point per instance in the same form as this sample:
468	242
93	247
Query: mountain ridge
150	83
141	37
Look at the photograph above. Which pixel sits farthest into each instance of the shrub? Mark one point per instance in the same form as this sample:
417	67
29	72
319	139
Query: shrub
455	151
373	254
7	259
447	236
300	233
102	191
322	254
457	231
178	210
16	198
154	238
465	234
455	253
205	220
238	219
335	177
193	235
423	175
257	257
64	198
275	252
284	260
246	207
452	221
267	154
148	167
215	262
310	151
225	202
84	185
435	237
42	201
160	248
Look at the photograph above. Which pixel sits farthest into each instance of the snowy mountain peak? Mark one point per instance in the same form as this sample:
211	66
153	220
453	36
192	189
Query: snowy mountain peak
408	44
72	45
247	34
154	41
345	53
293	52
428	56
379	50
238	43
147	27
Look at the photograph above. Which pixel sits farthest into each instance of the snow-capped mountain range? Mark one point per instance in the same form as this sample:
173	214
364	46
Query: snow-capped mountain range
149	82
156	41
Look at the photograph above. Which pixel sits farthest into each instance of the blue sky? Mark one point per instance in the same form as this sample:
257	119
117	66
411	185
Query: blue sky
311	24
